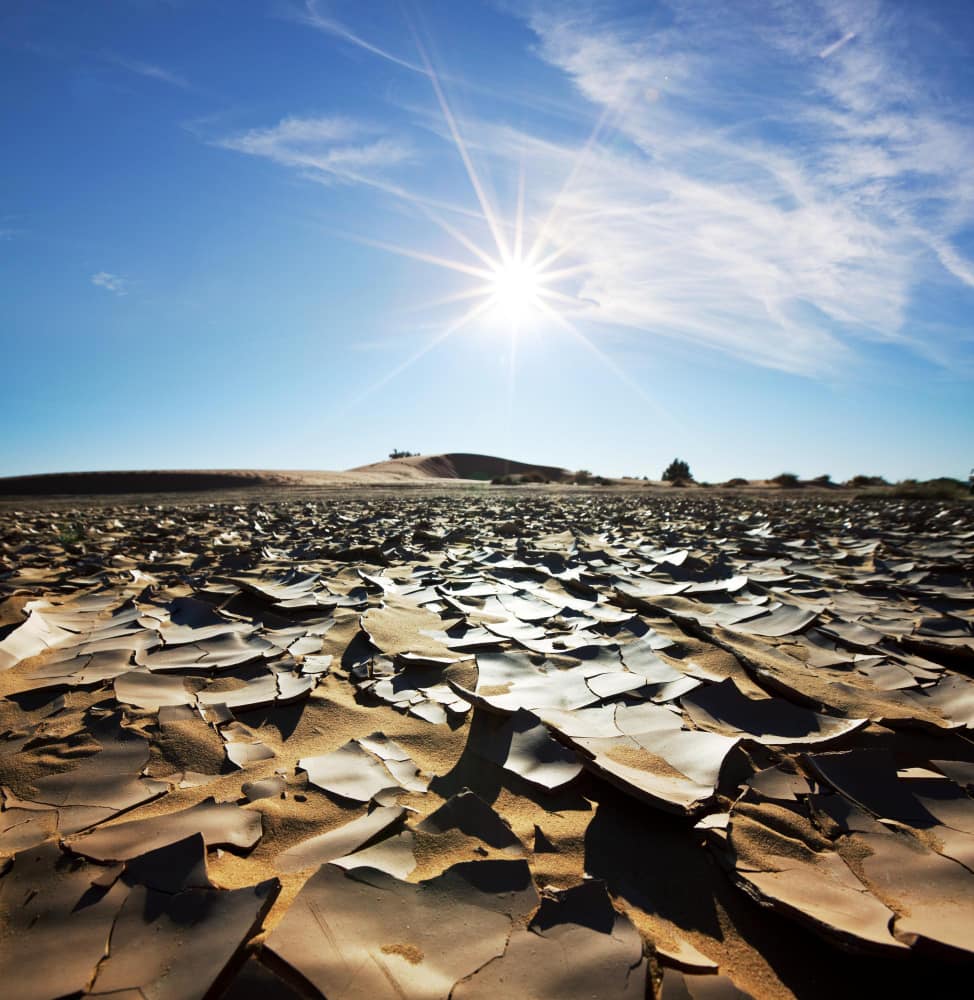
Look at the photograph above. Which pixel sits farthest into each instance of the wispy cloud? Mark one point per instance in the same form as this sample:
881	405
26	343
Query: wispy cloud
776	187
830	50
782	235
110	282
332	146
311	15
149	70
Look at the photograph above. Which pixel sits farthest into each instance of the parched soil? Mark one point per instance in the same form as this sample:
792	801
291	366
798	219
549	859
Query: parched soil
475	742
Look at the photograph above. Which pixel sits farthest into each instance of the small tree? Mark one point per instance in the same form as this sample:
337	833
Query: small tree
396	453
677	469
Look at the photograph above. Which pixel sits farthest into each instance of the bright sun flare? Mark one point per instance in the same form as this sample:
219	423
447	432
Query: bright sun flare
515	283
516	287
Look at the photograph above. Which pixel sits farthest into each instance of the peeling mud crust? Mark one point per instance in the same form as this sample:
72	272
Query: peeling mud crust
471	744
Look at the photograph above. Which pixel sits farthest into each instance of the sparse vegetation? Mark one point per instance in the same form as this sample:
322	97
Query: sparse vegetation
860	482
519	479
943	488
677	469
786	480
72	533
396	453
825	480
737	481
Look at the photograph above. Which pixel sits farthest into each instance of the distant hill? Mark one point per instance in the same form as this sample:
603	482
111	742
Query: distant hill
84	483
461	465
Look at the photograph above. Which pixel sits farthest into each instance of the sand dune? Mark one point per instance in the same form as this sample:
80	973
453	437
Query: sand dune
461	465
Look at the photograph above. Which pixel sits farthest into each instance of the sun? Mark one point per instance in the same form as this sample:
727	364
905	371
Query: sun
516	288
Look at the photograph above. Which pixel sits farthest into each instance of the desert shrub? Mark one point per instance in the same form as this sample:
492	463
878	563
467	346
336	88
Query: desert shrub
582	478
518	479
680	483
396	453
737	481
786	480
825	480
72	532
859	482
943	488
677	469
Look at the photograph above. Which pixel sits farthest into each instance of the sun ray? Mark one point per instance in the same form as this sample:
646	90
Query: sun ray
477	292
545	265
463	240
429	258
541	238
470	315
519	216
611	113
472	175
395	190
511	377
553	293
609	364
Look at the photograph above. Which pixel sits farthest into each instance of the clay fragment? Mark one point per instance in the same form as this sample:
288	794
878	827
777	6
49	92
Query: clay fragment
358	934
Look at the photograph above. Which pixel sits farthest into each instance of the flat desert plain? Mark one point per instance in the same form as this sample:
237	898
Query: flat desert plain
485	743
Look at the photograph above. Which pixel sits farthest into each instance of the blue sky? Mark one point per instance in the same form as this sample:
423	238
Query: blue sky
279	234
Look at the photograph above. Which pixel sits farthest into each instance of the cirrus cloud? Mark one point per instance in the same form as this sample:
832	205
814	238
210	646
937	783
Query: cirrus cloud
110	282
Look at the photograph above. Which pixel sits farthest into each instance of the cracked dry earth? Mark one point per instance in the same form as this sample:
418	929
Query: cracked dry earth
486	745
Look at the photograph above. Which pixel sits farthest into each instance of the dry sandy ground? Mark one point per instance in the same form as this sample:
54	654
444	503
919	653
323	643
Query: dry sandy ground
483	744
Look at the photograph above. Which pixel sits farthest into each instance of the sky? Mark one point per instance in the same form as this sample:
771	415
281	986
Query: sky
279	234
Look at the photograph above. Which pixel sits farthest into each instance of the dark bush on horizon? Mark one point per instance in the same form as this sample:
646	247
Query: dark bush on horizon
677	469
786	480
737	481
942	488
396	453
861	481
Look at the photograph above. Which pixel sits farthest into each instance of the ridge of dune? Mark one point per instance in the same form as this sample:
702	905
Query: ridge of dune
460	465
